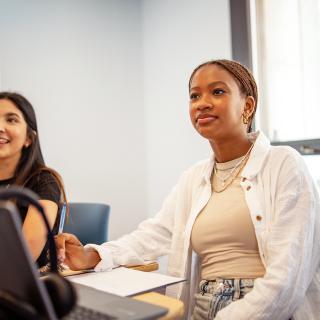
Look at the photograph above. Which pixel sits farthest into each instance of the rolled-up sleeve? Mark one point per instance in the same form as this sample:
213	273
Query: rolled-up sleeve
149	241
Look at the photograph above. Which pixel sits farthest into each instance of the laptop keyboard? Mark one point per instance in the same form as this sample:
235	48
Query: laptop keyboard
81	313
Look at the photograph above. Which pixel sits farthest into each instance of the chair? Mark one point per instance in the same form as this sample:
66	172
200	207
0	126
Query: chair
88	221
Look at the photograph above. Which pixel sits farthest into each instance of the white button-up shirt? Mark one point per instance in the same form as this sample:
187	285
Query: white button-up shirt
285	211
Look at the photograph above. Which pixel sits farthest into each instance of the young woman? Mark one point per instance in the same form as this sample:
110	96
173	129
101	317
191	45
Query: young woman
22	164
243	226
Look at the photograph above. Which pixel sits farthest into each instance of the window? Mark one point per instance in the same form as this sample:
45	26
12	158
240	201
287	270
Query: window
280	41
287	61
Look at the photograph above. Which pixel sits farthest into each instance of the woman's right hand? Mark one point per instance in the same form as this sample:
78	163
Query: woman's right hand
71	252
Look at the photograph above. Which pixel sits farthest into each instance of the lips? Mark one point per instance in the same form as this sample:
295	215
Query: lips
205	118
3	140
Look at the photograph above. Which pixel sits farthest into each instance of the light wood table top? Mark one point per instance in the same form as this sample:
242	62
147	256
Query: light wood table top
175	306
152	266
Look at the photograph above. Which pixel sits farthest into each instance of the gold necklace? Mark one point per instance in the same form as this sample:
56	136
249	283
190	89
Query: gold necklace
226	177
244	161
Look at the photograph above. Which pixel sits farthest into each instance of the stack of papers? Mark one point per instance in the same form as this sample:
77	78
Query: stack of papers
123	281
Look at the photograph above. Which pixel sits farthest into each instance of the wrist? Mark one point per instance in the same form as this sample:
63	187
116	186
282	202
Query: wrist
92	258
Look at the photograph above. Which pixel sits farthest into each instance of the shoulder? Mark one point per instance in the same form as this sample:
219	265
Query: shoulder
197	173
201	167
42	177
289	169
286	157
45	184
284	151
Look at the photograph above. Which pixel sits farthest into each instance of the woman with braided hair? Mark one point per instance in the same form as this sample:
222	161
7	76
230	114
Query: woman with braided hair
242	227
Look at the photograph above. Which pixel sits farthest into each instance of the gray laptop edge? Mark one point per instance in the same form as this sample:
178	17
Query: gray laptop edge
20	278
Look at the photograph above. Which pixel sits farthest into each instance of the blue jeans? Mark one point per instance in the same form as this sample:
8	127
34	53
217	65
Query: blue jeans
217	294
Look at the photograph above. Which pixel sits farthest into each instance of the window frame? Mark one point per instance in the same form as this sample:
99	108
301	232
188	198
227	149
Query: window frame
241	44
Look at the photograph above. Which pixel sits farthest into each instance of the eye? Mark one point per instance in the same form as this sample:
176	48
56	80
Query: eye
194	96
218	92
12	120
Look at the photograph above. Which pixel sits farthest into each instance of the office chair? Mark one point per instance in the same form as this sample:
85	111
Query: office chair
88	221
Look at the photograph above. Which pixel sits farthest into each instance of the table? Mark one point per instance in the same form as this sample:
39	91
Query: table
175	306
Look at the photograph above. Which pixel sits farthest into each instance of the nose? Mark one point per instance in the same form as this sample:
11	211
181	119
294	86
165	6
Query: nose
204	103
204	106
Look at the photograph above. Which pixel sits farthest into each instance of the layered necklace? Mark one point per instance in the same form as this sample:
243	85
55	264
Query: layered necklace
227	179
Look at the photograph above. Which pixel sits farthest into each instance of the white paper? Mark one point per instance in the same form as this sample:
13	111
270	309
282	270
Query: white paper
123	281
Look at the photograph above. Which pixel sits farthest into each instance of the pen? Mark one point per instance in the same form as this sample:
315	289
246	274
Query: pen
62	217
61	266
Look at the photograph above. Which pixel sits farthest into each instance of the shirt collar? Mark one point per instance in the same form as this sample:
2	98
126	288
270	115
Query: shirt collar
256	159
257	156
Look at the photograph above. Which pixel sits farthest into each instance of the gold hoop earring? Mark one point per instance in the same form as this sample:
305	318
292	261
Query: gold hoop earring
245	118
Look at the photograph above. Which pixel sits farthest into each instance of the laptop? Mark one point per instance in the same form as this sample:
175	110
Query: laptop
19	280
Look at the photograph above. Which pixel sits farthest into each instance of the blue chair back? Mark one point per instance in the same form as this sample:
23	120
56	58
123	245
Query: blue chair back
88	221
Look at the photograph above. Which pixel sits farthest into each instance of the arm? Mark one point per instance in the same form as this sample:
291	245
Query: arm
46	186
151	240
34	229
292	249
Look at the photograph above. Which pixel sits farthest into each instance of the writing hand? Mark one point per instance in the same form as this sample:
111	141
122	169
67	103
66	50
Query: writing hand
70	251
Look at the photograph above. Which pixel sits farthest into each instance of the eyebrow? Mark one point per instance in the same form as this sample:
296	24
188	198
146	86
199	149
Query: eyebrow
9	114
212	84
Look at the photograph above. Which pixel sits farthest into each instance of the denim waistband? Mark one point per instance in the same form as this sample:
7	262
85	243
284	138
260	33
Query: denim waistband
225	286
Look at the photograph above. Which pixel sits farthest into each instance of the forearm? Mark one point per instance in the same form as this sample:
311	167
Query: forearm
35	244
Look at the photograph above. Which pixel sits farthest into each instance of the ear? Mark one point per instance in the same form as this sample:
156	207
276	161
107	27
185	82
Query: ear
29	139
249	106
27	142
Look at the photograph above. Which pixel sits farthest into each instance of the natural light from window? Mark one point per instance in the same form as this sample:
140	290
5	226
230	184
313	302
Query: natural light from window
288	62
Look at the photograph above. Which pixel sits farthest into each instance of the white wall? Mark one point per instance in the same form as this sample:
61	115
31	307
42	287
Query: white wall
80	63
177	36
108	80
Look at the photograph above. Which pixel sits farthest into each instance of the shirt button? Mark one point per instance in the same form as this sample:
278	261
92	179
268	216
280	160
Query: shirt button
258	217
244	179
248	188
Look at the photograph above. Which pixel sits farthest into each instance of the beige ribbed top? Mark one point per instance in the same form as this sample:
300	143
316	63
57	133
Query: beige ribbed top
223	234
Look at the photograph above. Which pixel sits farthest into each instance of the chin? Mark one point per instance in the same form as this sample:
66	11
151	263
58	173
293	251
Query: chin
207	134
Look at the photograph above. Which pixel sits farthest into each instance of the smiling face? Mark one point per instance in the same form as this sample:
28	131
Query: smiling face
13	132
217	104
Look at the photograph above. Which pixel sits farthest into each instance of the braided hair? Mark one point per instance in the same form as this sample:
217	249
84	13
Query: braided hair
243	77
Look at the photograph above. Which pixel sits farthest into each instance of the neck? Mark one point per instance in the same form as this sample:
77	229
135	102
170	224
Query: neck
7	169
230	149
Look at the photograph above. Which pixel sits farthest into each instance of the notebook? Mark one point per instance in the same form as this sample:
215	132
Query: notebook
19	278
